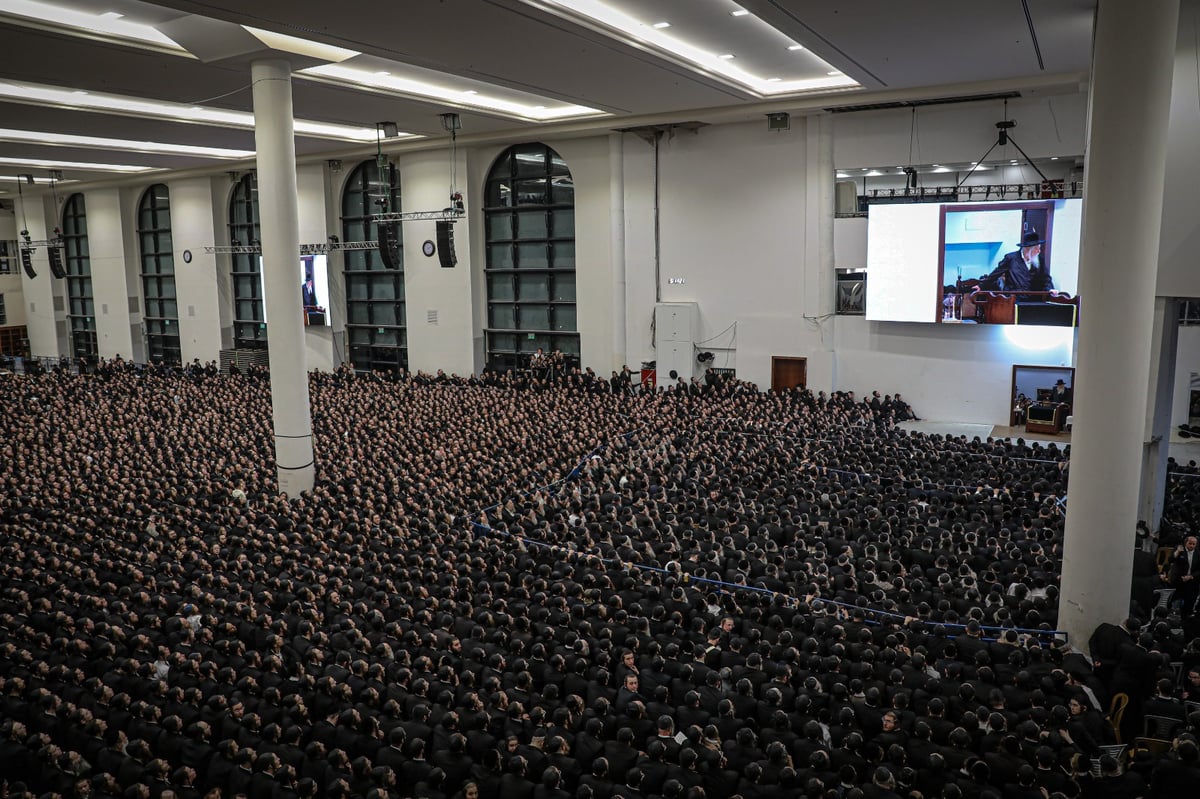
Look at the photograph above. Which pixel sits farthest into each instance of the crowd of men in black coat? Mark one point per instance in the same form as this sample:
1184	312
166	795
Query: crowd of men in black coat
544	592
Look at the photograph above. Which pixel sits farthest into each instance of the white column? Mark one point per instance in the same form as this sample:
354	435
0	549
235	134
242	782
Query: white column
1133	60
819	202
616	222
274	140
1158	415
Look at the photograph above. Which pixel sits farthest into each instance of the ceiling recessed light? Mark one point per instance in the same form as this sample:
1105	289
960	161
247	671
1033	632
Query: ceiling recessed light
741	12
661	25
1054	158
383	74
726	56
1014	161
470	91
772	80
796	47
111	15
974	163
833	73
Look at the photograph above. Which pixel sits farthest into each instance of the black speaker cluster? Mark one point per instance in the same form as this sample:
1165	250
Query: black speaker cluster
445	245
387	245
56	262
27	262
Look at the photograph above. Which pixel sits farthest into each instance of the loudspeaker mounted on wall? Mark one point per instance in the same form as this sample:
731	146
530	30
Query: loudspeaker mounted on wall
56	262
387	246
445	245
27	262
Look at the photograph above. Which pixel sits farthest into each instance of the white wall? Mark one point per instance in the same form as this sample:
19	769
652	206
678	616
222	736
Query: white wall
106	245
195	283
960	373
10	285
1046	126
732	225
39	293
311	202
428	287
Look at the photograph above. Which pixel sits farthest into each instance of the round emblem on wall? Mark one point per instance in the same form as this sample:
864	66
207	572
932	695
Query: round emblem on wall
428	248
187	256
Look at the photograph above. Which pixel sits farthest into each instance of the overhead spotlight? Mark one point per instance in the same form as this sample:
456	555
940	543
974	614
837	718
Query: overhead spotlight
56	174
28	179
390	129
451	122
334	239
334	164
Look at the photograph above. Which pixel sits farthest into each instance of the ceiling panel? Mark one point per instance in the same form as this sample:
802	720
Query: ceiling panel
513	44
907	45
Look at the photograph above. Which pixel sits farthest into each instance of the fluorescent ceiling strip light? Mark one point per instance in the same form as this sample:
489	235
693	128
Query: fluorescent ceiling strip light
620	21
56	16
33	163
70	140
177	112
416	88
36	179
47	14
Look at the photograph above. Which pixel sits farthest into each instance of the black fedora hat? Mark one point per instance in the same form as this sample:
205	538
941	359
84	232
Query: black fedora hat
1031	238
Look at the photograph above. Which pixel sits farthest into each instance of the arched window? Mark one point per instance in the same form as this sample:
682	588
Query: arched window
529	212
81	310
375	319
160	314
249	325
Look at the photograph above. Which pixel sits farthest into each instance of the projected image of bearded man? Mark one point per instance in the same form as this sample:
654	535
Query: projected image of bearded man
1022	269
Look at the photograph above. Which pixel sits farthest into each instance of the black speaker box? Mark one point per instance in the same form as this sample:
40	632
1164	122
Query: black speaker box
387	246
56	263
27	262
445	245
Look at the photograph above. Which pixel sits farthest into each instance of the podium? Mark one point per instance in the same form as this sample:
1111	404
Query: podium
1044	417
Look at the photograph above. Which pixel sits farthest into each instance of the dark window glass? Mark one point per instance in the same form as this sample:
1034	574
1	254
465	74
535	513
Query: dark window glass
529	224
81	315
249	327
375	313
160	315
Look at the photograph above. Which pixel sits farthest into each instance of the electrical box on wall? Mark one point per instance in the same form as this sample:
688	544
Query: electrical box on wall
675	326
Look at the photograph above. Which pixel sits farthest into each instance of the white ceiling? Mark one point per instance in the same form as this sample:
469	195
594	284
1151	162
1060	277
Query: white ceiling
525	51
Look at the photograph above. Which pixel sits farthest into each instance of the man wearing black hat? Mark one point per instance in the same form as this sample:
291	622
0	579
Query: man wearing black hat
1021	270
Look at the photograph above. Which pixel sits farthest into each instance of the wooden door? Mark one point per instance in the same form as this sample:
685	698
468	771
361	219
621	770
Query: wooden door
788	372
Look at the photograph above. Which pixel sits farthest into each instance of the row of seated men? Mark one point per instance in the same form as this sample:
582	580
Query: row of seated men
502	593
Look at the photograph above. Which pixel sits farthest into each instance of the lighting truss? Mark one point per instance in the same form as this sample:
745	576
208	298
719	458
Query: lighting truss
445	215
305	249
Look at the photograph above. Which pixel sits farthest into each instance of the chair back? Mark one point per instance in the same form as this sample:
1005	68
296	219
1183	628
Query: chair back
1161	727
1116	711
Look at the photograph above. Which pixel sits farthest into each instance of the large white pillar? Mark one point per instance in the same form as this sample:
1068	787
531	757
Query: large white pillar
1133	60
274	140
